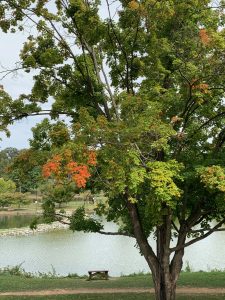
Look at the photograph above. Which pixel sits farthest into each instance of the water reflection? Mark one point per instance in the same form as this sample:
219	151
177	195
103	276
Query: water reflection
15	221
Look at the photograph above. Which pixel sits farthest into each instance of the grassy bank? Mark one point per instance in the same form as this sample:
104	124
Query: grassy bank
32	207
20	283
9	283
113	297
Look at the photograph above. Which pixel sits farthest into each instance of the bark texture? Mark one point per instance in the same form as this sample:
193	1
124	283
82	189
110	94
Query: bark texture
165	271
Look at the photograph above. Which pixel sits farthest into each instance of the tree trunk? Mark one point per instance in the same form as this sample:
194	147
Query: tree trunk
164	272
165	289
165	284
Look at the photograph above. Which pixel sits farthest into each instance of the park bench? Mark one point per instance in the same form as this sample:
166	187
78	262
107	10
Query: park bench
100	274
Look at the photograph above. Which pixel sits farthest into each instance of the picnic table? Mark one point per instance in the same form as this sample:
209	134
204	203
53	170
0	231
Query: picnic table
101	274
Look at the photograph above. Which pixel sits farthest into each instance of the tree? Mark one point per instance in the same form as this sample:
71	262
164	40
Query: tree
8	194
7	186
6	157
26	169
144	89
47	135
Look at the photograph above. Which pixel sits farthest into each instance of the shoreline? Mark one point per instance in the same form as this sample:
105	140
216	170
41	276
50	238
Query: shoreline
25	231
19	212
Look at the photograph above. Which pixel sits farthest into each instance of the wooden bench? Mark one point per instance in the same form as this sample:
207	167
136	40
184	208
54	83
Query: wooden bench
101	274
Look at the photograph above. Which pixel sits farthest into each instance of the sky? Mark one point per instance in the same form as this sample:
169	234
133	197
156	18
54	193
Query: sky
15	84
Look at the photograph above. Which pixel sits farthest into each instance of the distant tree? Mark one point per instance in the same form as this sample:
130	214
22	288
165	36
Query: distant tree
47	135
8	194
144	88
6	157
7	186
26	169
17	199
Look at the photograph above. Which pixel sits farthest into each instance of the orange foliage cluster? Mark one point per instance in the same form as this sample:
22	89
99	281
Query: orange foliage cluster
204	37
71	167
81	176
79	173
52	167
92	158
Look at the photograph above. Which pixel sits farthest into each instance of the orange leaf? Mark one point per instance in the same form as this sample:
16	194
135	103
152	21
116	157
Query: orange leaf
92	158
204	37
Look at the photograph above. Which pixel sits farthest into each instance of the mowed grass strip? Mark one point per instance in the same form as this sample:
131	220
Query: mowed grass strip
112	297
202	279
20	283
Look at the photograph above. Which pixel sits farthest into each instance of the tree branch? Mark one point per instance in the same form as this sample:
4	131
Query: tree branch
203	230
108	87
116	233
215	228
120	46
174	226
37	113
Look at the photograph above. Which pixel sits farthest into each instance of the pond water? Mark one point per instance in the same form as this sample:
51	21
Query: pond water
15	221
78	252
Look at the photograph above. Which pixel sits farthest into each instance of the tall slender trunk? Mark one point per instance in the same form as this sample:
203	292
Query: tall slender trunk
164	285
164	272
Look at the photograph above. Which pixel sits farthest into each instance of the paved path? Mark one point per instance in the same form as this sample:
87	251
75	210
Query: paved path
181	290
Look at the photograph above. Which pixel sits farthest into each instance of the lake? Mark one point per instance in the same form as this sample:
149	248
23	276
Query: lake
78	252
15	221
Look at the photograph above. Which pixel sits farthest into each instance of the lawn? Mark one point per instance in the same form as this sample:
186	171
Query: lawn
20	283
113	297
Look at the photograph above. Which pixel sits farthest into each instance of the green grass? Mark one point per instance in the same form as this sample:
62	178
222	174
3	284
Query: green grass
113	297
88	297
202	279
20	283
32	207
